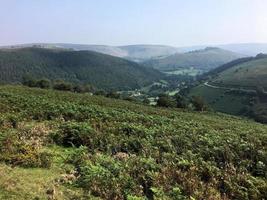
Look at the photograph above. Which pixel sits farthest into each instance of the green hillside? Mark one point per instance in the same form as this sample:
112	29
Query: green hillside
237	88
137	53
102	71
204	60
61	145
250	74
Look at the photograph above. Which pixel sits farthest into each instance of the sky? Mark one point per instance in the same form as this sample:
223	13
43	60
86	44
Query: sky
124	22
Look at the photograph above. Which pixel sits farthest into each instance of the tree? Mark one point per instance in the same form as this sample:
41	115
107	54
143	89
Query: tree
43	83
165	100
83	88
29	81
180	101
199	103
62	85
113	95
100	93
146	101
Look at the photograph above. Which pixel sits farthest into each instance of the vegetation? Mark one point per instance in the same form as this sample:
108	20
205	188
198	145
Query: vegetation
204	60
238	88
92	147
251	74
83	67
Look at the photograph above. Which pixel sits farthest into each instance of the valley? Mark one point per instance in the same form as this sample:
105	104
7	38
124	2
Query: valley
133	100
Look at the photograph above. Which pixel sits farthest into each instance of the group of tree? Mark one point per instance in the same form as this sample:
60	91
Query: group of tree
196	103
77	88
57	85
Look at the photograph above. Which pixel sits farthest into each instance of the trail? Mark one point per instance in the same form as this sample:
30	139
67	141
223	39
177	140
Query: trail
231	88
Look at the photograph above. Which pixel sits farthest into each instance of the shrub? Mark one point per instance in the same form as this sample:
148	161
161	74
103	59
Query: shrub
166	101
17	152
74	134
199	103
29	81
43	83
62	85
113	95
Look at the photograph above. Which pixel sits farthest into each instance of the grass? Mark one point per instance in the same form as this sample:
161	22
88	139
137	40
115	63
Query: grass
32	183
186	71
250	74
220	100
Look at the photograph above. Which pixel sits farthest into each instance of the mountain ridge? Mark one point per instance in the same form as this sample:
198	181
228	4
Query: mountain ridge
203	59
100	70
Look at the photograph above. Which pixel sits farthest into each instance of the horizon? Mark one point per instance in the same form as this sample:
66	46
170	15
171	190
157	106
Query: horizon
157	22
186	46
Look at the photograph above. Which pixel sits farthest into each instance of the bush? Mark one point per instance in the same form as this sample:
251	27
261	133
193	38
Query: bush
74	134
113	95
166	101
43	83
106	178
82	88
199	103
62	85
17	152
28	81
180	101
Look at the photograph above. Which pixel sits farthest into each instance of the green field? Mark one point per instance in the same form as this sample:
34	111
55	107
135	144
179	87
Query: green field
185	71
220	100
61	145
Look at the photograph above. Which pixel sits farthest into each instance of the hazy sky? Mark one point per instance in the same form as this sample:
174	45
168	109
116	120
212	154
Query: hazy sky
120	22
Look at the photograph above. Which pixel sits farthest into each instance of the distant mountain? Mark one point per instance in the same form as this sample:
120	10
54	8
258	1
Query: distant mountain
100	70
136	53
144	52
249	49
204	59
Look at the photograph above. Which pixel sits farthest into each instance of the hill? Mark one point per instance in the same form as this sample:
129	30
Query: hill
135	53
141	53
203	60
100	70
249	49
251	74
238	87
60	145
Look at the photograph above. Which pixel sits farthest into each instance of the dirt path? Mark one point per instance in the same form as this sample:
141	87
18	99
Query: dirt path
231	88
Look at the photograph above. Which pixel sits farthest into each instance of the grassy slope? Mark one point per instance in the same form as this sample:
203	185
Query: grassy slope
220	100
250	74
103	71
198	137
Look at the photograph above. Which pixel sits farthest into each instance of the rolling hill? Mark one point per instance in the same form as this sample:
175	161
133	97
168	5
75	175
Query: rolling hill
204	60
249	49
251	74
135	53
100	70
237	88
141	53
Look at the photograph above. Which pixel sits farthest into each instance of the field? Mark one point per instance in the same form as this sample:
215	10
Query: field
221	100
62	145
185	71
